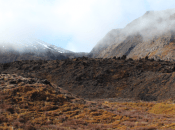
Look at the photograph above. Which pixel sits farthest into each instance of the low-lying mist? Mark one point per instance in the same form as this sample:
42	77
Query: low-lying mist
152	24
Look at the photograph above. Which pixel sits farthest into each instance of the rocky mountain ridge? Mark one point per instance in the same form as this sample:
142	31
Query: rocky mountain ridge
151	35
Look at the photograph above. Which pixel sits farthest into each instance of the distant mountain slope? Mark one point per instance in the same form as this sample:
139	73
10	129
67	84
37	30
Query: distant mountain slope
30	45
151	35
33	49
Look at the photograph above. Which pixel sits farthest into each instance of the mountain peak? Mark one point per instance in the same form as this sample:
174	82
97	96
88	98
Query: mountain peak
149	35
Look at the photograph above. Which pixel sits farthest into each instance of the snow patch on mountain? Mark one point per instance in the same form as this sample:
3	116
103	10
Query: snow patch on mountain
30	45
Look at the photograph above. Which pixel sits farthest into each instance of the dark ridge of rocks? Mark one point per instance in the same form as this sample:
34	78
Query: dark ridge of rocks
11	56
143	79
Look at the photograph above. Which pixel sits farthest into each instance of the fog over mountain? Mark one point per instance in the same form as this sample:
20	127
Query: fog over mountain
126	82
33	49
150	35
30	45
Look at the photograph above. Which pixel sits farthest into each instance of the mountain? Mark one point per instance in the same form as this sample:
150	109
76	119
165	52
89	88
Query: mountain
30	45
151	35
93	93
33	49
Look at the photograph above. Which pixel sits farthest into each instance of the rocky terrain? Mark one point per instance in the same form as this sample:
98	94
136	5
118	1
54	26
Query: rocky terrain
126	82
143	79
31	103
151	35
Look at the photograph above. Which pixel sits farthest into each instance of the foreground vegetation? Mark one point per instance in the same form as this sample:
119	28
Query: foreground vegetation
29	103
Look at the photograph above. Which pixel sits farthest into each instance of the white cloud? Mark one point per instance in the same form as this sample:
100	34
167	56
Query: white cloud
161	4
86	21
71	46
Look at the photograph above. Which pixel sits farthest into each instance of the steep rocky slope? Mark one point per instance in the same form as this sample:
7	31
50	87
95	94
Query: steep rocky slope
151	35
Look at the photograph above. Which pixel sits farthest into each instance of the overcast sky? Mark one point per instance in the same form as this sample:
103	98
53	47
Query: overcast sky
76	25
